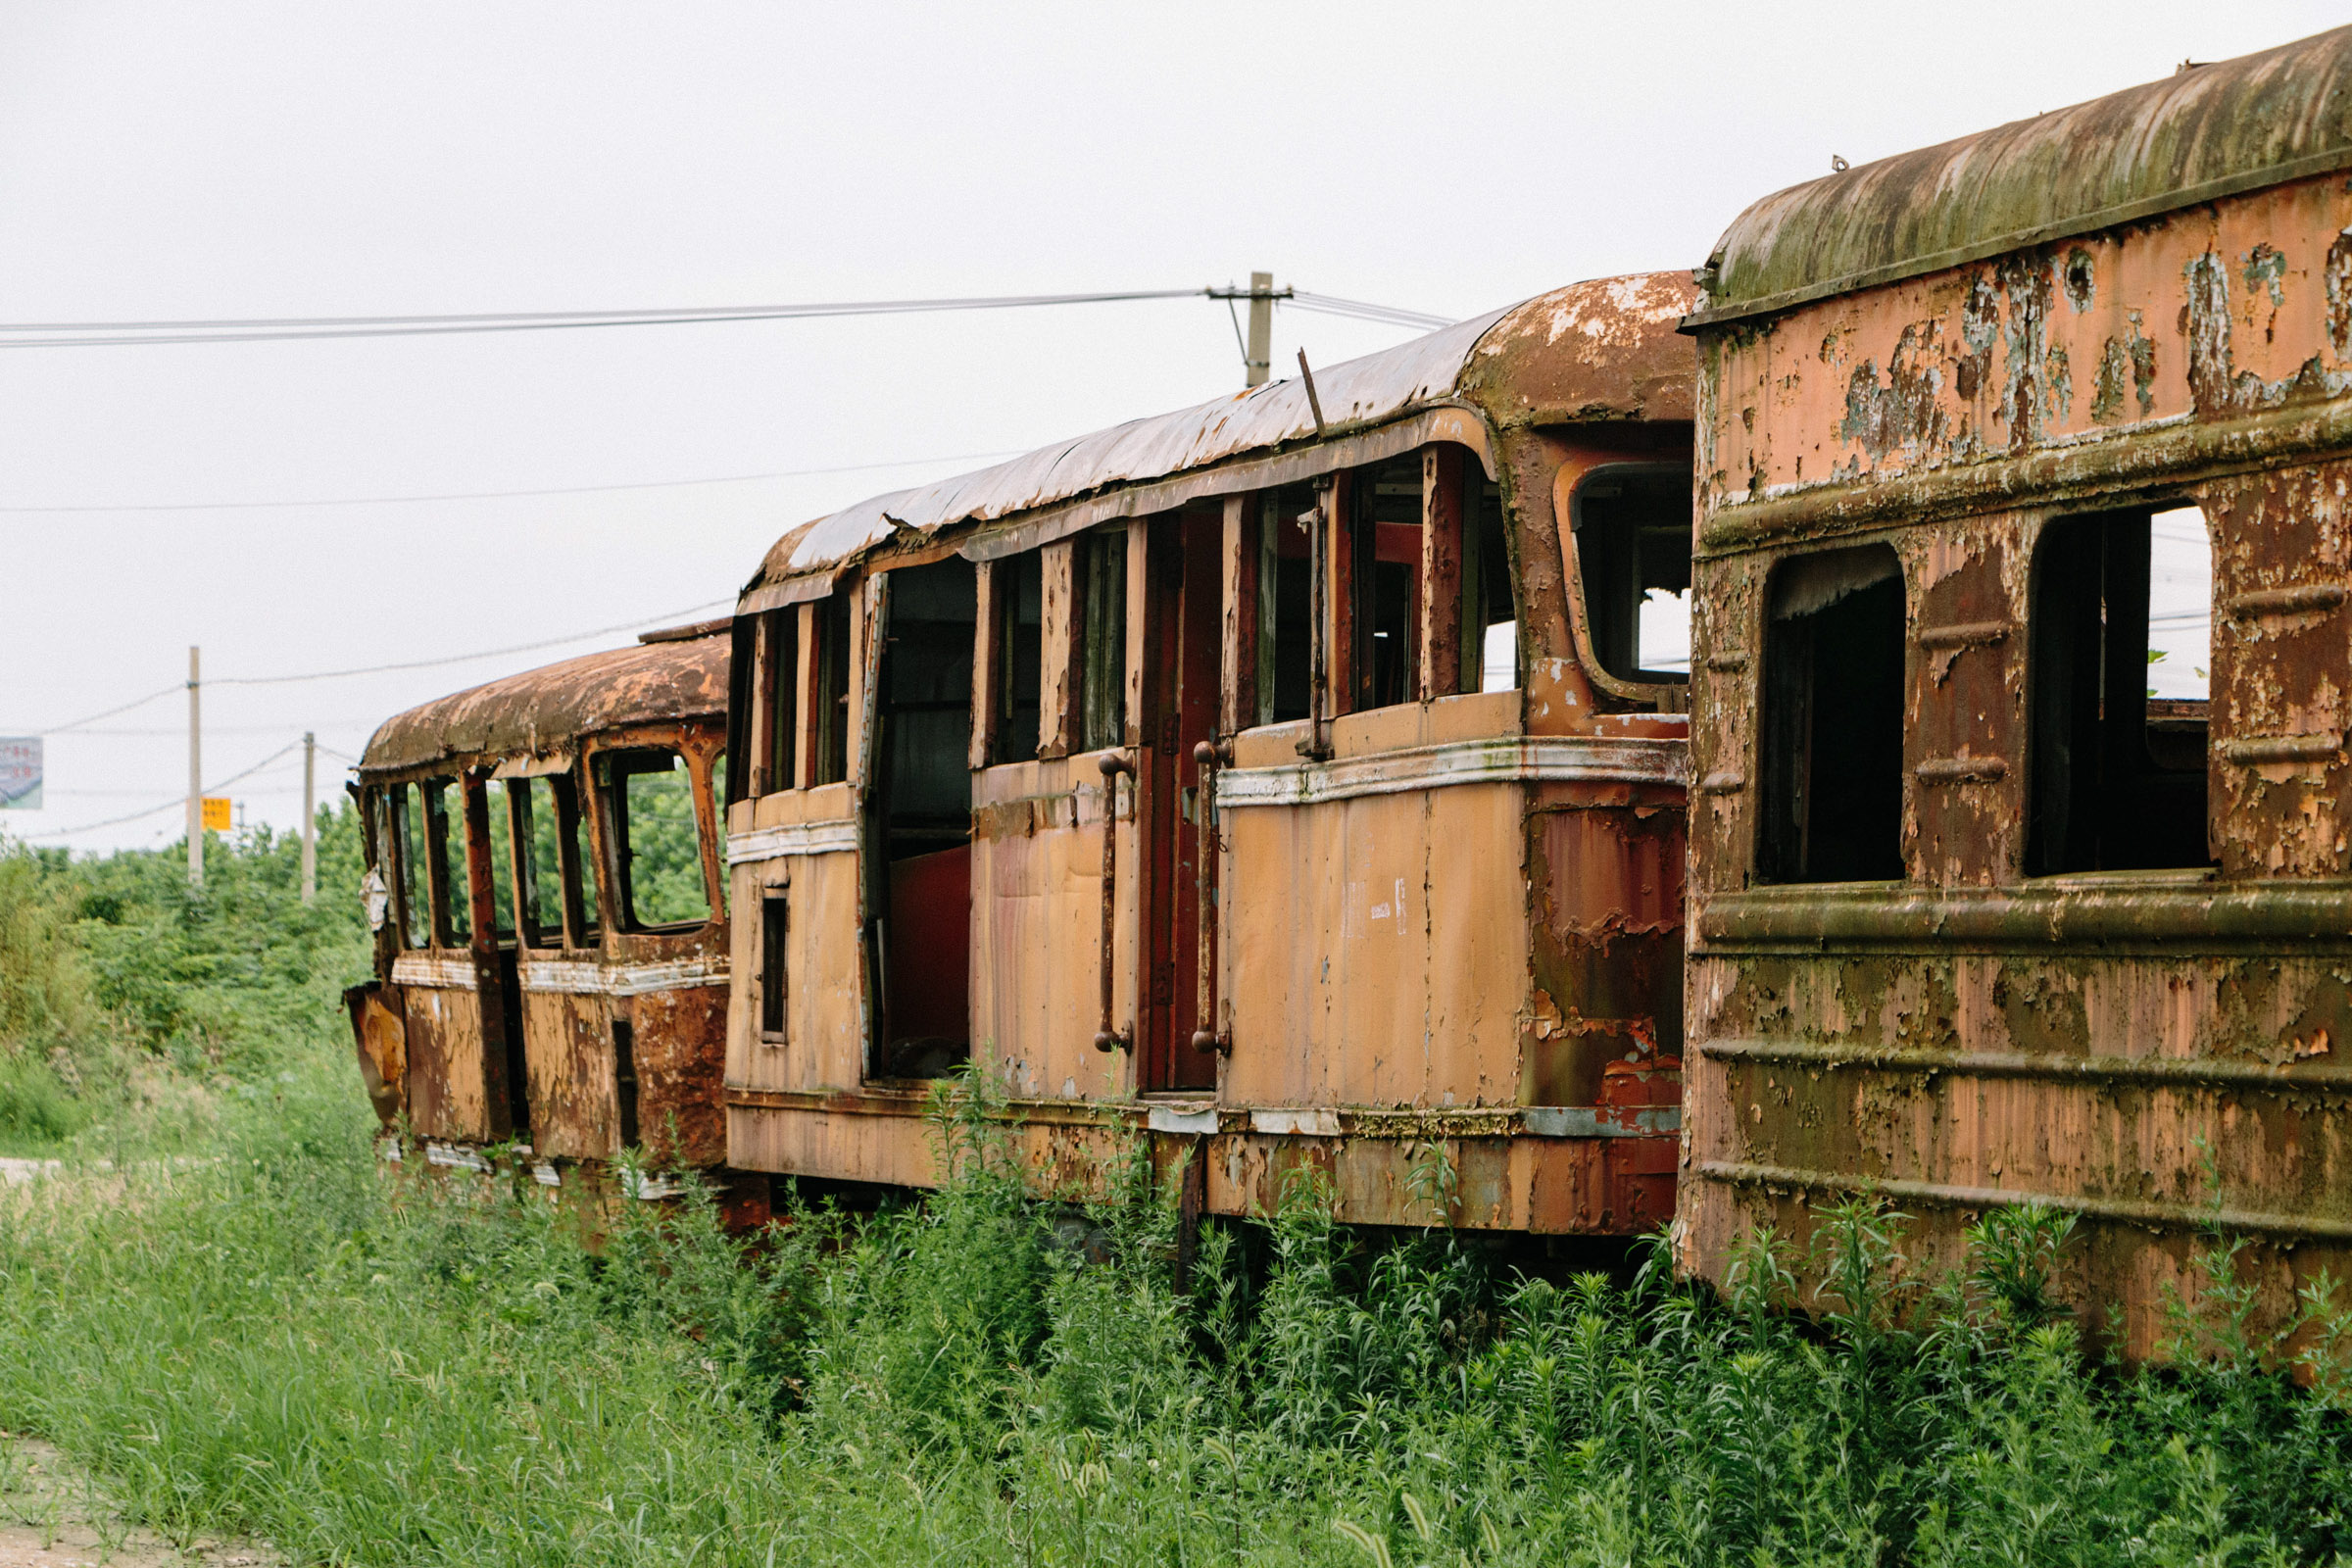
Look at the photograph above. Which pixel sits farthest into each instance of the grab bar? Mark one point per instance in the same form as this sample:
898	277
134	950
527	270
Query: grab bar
1113	764
1207	1036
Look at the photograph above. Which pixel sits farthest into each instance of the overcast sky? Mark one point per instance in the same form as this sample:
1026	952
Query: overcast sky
232	160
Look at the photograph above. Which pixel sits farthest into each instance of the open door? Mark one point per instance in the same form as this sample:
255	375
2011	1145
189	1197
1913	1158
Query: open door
1182	636
920	820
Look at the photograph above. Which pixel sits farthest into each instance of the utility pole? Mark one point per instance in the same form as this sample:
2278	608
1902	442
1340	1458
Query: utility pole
310	817
1259	359
195	772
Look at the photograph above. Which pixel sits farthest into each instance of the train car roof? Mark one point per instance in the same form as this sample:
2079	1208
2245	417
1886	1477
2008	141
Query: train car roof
2205	132
544	713
1599	350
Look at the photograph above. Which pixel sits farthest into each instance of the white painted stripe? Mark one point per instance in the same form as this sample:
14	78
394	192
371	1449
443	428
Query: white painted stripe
1587	1121
798	838
1507	760
455	1157
1307	1123
1171	1119
424	969
578	978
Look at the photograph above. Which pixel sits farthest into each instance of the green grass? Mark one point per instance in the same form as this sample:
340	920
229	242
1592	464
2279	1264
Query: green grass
289	1338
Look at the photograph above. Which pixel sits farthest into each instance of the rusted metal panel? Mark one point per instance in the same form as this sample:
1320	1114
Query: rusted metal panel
2282	670
380	1033
2151	1049
2206	132
568	1037
549	708
680	1066
2182	342
1037	879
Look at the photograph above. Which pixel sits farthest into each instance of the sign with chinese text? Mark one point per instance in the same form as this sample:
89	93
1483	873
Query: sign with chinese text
215	814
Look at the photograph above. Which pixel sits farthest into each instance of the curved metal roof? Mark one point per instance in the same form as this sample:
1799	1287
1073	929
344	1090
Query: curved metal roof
548	710
1605	349
2205	132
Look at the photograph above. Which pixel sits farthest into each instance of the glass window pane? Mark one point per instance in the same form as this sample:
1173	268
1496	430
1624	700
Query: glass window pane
659	847
583	866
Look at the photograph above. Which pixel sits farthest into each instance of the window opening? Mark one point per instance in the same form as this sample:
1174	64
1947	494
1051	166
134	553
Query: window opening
2120	637
538	864
924	801
783	678
657	854
717	818
577	861
773	914
1388	505
1285	602
1831	739
500	821
453	902
624	1079
1103	687
1490	619
408	863
832	717
1021	585
1633	548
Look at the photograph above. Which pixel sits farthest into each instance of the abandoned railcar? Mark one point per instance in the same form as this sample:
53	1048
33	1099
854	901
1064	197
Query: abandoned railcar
550	917
2021	812
1295	781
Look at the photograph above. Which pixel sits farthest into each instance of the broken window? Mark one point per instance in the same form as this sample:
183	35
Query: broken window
1386	583
538	863
1102	679
409	884
578	861
445	858
829	725
1632	550
1020	665
719	831
2118	640
1487	574
1831	736
783	695
773	914
1285	604
657	851
499	818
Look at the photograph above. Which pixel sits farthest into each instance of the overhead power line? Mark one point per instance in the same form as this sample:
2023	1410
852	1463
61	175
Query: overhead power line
487	652
174	804
260	330
500	495
670	618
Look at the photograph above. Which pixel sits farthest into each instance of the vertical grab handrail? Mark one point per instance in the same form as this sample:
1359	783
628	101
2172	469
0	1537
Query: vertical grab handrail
1113	764
1207	1036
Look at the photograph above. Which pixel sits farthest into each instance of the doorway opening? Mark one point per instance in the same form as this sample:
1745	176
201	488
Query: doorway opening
920	821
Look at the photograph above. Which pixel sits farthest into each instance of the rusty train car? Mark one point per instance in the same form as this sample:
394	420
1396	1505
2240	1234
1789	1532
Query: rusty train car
1277	781
2011	876
550	919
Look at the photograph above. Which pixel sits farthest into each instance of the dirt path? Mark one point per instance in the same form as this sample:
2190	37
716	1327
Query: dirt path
52	1517
16	1172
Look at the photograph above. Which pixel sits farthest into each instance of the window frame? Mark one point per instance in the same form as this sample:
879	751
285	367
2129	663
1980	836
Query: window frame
1666	696
611	776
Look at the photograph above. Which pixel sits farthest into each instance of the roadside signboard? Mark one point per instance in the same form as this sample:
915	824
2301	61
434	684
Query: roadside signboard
215	814
20	772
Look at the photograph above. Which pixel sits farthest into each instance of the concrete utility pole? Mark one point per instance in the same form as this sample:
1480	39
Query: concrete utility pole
310	817
195	772
1259	360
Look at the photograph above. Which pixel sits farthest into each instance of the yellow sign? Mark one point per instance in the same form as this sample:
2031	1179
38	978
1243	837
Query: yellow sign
215	814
